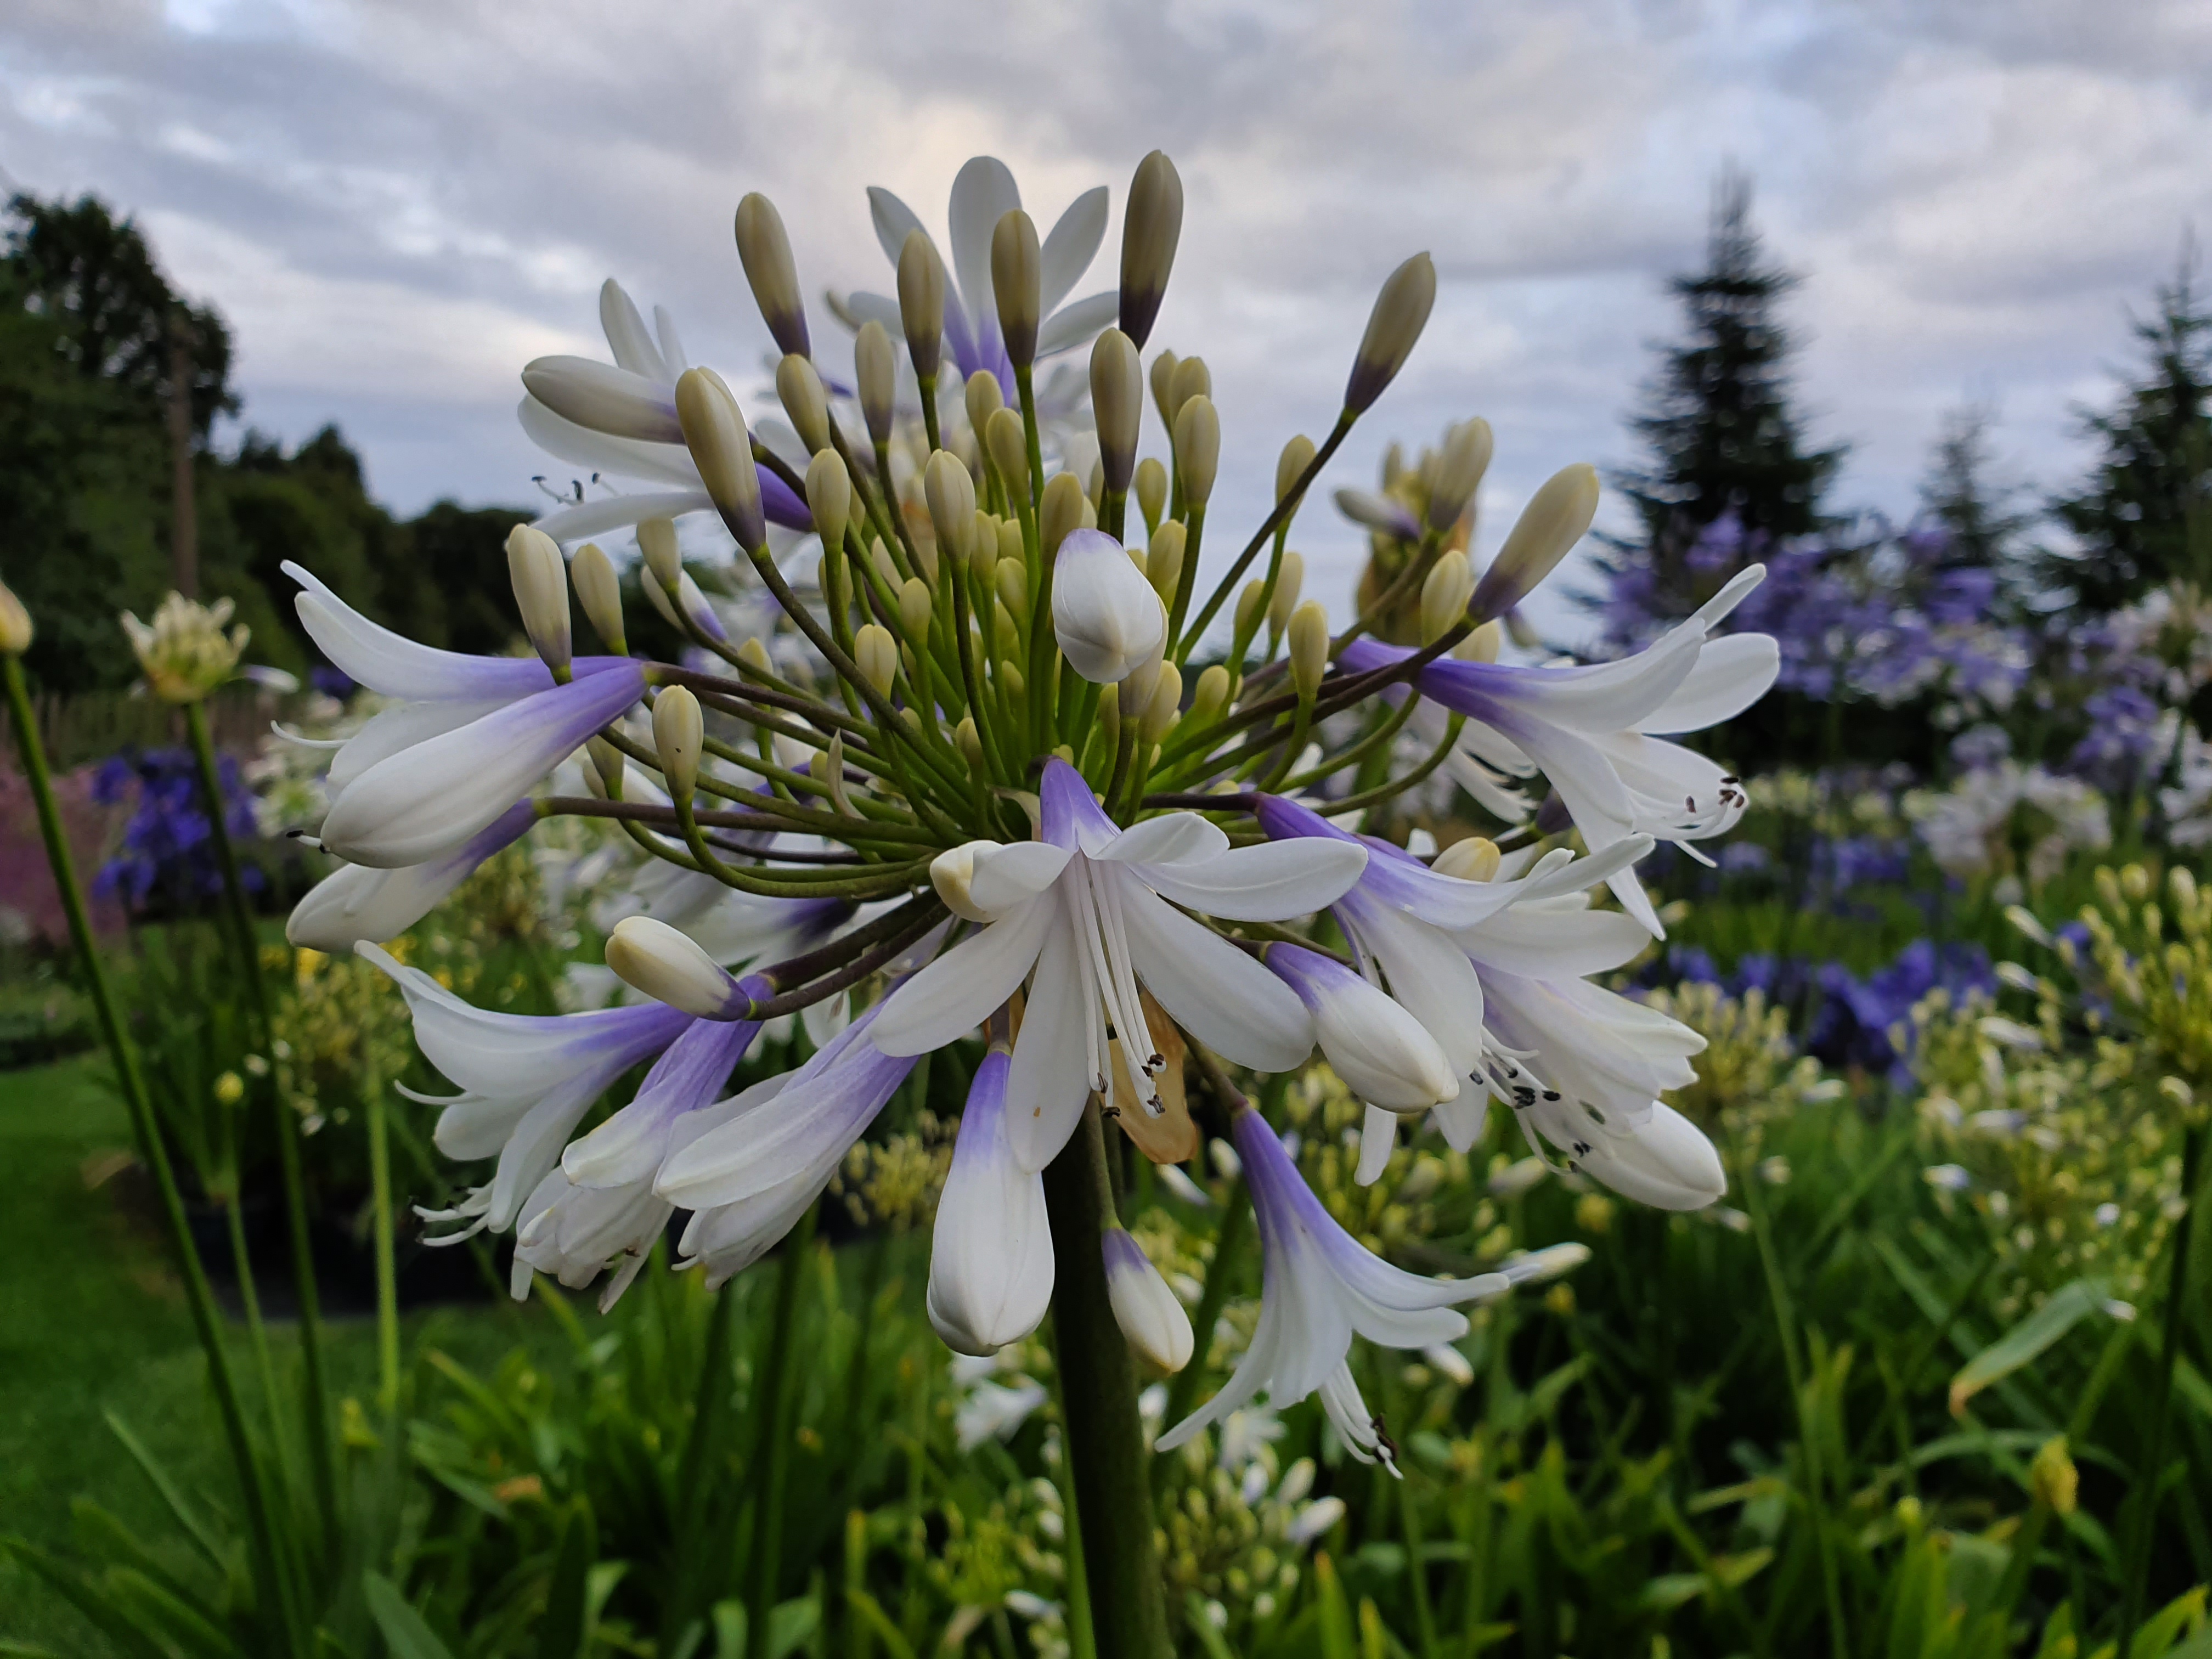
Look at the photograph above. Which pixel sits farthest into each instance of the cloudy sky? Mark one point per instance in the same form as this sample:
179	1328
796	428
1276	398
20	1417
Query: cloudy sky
397	204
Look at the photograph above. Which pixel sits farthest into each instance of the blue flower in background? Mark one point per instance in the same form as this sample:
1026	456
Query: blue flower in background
1852	1025
168	852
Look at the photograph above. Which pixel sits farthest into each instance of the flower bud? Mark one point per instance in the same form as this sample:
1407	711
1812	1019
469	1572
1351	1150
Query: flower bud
921	302
1010	539
715	431
1165	705
1151	227
656	541
1384	1055
1459	472
914	604
1060	511
829	496
1557	517
1444	594
1482	645
185	654
607	767
1012	579
1386	515
1401	310
1105	616
1476	859
1152	487
765	252
2052	1480
984	396
950	493
1197	447
15	629
1298	455
598	590
652	957
877	654
1211	695
801	389
968	742
679	732
1016	283
877	371
1308	647
1163	562
1004	436
1117	404
754	655
1290	577
603	399
886	567
1158	1329
983	546
1192	380
1162	383
541	594
1248	608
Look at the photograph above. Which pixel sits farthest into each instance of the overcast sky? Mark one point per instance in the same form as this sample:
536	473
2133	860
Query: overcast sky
398	204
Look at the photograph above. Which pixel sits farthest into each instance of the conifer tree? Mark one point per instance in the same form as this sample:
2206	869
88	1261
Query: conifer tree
1963	494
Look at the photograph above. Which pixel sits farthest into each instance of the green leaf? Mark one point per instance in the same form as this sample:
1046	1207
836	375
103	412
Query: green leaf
2023	1342
1202	1627
404	1630
790	1624
203	1539
566	1625
872	1615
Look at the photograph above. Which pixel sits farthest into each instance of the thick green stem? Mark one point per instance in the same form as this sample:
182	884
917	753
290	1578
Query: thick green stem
272	1591
2151	1472
314	1392
1098	1399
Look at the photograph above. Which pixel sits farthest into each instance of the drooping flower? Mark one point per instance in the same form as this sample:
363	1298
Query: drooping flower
1085	911
1598	733
526	1081
360	902
1157	1328
990	1258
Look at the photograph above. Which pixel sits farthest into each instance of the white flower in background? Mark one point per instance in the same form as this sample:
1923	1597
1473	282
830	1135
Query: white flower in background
185	652
1084	909
1970	828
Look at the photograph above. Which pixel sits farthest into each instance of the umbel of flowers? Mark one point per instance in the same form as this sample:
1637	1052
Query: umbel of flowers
1006	771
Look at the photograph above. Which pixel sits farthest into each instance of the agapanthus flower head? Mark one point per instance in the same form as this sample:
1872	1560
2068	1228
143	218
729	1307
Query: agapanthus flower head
186	652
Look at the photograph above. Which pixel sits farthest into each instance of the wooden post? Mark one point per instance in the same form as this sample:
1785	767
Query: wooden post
184	512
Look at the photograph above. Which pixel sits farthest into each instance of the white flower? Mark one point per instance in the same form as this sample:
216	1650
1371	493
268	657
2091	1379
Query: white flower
990	1257
1105	614
993	1411
359	902
1090	919
1383	1054
1144	1307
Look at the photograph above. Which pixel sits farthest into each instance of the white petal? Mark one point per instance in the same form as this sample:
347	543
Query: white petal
1667	1163
1378	1138
1550	944
1051	1077
1070	248
626	338
1732	673
1221	996
586	519
893	221
983	192
1270	882
1171	838
962	988
605	399
395	664
580	446
1077	324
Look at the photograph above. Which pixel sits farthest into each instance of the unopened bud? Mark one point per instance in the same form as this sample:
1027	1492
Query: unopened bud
1164	704
1151	228
1008	443
598	590
679	732
1117	404
984	397
886	567
1444	594
804	400
754	655
606	766
1466	457
1162	377
1401	310
921	302
1193	379
1151	488
1211	695
1476	859
829	496
2052	1480
876	371
1060	510
1483	644
968	742
877	654
951	494
714	432
1248	604
1158	1329
1012	579
669	966
1290	579
1557	517
1197	447
1016	282
1308	647
15	629
1290	466
664	564
765	252
541	594
913	606
1163	562
602	398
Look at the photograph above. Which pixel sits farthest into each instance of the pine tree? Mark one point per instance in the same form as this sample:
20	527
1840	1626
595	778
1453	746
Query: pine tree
1723	438
2143	518
1962	493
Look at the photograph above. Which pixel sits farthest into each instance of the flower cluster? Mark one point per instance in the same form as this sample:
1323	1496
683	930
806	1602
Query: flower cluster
185	652
167	855
989	775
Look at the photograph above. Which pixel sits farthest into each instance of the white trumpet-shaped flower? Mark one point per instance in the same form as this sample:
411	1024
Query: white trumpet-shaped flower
1085	918
359	902
1384	1054
1107	617
1598	733
525	1082
990	1258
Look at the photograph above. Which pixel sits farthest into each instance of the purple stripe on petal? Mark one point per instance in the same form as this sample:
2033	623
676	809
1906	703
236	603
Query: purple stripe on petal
780	503
1068	815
